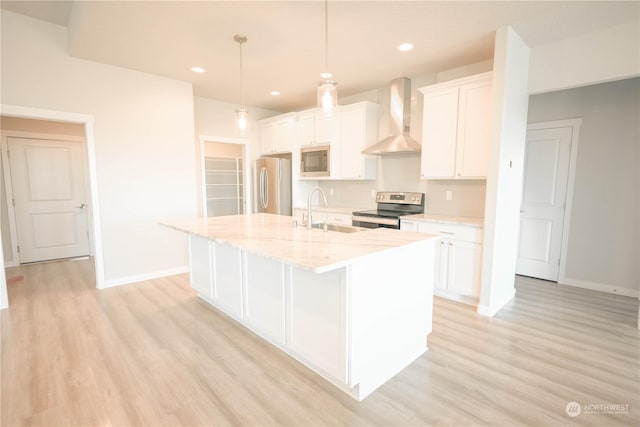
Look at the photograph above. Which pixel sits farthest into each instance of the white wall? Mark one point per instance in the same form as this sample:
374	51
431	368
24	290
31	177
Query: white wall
506	164
604	235
143	134
600	56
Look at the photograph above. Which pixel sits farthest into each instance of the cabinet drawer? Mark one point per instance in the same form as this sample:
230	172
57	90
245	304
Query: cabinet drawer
342	219
452	231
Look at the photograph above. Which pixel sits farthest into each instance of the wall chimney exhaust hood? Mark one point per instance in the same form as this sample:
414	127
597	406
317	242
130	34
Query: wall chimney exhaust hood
400	142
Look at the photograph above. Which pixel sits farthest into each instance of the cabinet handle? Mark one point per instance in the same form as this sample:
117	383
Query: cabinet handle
450	243
447	232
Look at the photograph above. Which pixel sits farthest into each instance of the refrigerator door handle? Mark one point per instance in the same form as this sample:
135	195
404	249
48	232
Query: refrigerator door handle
266	189
261	188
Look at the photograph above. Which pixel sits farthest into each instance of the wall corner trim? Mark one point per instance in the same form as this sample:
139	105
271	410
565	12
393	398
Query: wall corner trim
490	311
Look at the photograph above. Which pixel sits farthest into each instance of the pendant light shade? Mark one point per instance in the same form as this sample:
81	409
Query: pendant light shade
327	95
327	88
242	121
242	115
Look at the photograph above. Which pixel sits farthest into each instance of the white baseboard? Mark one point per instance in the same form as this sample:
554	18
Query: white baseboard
601	287
8	264
490	311
111	283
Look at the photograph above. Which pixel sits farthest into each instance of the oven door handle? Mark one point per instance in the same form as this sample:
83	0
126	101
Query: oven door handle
375	220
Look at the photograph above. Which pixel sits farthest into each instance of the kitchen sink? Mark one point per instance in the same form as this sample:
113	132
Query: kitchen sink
338	228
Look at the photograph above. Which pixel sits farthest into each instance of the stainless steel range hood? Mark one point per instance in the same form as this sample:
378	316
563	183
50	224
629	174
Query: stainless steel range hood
399	141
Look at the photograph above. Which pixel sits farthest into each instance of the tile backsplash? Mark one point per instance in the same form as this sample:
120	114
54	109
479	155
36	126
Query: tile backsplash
402	173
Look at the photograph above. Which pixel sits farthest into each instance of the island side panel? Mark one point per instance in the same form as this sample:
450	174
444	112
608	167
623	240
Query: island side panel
316	321
200	266
390	313
264	297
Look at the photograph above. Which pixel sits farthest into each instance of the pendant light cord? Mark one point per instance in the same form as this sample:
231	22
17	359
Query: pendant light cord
241	79
326	36
241	39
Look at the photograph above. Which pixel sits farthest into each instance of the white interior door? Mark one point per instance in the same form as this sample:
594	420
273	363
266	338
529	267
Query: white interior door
544	194
49	197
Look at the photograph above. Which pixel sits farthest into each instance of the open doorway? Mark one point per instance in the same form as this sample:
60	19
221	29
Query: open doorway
22	118
45	191
549	171
225	176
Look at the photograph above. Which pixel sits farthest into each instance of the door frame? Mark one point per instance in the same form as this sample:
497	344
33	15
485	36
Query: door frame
8	180
574	124
95	229
246	164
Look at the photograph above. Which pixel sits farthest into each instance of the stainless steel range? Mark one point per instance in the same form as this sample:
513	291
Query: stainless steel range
391	206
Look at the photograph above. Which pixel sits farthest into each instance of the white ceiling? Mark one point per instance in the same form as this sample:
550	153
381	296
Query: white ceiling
285	47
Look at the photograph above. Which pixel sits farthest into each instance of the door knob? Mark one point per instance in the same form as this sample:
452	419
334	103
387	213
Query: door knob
82	206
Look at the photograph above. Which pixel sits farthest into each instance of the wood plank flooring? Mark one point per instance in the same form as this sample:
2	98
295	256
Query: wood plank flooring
153	354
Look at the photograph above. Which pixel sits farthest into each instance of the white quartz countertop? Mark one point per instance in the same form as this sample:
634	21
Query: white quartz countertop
275	237
445	219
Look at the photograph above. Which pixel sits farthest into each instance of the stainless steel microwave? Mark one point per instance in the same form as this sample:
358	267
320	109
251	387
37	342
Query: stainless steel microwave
315	160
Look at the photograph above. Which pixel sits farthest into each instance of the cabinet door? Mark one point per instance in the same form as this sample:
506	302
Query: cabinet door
227	272
442	265
199	266
305	129
440	118
268	138
352	143
327	128
474	130
264	297
465	265
284	133
316	320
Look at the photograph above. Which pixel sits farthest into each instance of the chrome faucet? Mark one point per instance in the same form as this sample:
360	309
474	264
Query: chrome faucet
324	198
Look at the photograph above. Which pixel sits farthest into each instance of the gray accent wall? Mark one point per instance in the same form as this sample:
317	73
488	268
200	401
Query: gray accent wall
605	235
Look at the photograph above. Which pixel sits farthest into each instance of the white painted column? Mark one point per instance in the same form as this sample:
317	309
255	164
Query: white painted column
506	164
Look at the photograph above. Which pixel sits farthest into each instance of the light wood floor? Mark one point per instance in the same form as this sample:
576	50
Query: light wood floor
154	354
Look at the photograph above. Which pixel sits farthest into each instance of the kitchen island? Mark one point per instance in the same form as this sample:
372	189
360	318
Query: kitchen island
356	308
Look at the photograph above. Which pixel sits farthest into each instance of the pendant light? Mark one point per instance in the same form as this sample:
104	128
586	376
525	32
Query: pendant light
242	115
327	88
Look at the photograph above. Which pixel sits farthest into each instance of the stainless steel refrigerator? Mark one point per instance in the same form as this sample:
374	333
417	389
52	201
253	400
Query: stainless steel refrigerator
273	185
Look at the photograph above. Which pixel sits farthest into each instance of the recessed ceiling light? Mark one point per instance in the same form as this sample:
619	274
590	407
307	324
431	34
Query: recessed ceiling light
405	47
274	93
197	69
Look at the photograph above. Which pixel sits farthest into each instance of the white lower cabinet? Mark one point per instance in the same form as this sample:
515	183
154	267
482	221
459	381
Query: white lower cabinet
227	279
458	258
316	320
458	268
264	297
199	266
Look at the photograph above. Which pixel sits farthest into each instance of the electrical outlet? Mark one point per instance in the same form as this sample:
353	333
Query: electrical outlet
449	195
331	191
373	193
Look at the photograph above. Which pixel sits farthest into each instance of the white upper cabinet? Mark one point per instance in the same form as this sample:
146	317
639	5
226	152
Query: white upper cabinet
316	128
278	134
456	128
359	130
348	131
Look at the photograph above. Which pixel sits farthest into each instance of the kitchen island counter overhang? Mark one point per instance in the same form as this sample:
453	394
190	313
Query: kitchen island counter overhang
356	308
